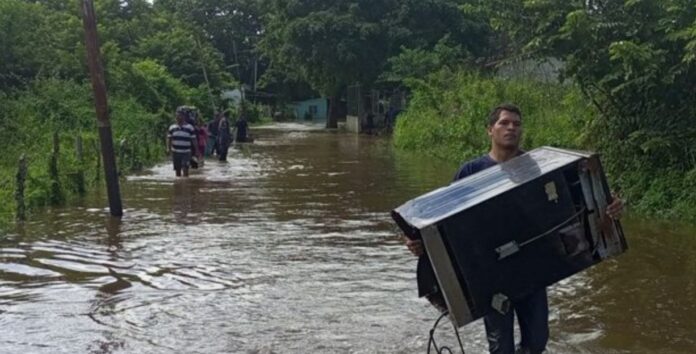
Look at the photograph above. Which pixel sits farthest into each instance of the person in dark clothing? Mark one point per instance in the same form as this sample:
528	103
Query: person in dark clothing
369	123
241	128
504	128
390	117
213	129
191	116
224	137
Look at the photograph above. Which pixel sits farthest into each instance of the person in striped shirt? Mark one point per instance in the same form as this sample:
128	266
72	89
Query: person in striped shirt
181	143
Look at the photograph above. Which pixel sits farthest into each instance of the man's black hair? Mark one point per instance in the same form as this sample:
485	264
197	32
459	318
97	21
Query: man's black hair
495	113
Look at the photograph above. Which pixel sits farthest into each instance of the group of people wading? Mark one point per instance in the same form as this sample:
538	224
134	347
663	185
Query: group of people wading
190	139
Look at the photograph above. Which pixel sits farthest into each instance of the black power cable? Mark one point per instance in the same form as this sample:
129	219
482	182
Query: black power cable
443	349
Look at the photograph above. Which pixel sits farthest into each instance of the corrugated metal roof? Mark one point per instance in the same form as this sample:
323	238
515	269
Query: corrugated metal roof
472	190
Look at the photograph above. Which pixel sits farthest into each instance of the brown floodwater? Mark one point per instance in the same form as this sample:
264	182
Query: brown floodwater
289	248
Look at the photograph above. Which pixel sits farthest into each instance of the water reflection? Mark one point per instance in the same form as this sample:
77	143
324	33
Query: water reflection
289	248
182	201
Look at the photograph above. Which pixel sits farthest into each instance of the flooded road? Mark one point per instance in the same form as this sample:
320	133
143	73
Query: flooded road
289	248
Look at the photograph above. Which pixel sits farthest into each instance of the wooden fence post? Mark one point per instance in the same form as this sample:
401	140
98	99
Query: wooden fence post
56	192
81	189
19	191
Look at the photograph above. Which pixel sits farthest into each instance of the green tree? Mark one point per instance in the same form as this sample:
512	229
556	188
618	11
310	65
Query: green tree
37	42
327	44
158	90
233	27
635	60
179	52
417	63
417	24
332	44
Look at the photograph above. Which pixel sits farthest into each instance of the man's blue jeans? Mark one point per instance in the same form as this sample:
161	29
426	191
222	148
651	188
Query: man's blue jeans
533	319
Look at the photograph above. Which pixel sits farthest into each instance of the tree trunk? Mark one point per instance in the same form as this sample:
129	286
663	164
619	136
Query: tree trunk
56	192
19	191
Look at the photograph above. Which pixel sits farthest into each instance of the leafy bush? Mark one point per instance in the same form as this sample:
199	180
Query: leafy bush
447	114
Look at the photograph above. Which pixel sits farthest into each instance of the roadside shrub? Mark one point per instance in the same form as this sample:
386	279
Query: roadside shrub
446	116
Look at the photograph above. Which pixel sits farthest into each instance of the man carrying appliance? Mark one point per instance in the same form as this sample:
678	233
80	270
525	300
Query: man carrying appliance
504	127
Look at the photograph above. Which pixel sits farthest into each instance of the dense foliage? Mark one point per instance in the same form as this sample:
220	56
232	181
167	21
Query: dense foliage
626	83
634	62
153	63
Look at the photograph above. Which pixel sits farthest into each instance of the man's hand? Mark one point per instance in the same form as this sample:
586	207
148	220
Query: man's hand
415	246
616	207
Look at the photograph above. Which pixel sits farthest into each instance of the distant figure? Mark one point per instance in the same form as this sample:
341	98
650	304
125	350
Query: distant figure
213	132
202	138
224	138
390	117
192	117
190	114
181	143
241	127
369	123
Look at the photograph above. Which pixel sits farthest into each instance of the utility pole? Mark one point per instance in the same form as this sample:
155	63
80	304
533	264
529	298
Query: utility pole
205	75
96	72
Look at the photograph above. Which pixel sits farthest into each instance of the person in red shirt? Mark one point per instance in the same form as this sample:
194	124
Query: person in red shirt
202	137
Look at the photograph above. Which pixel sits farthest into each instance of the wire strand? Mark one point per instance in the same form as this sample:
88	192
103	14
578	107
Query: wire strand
553	229
443	349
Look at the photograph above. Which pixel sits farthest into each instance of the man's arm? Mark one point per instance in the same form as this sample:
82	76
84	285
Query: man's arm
169	142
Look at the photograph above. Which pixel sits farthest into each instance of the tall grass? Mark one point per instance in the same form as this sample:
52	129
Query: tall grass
28	120
447	114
